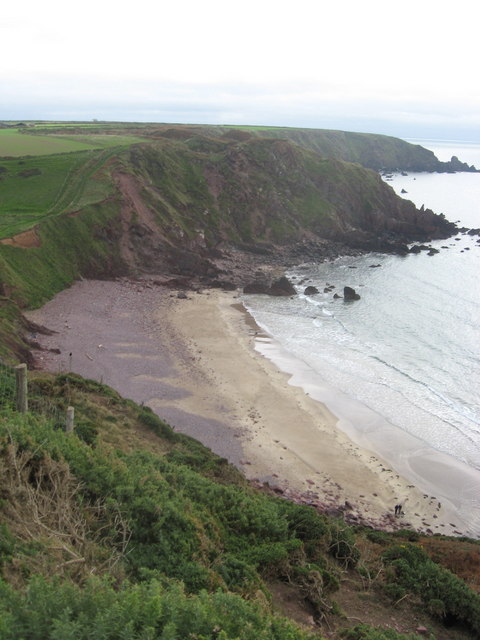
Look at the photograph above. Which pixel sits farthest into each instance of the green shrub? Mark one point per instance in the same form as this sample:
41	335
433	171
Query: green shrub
364	632
179	523
342	544
409	534
86	431
237	573
303	521
444	594
147	611
153	422
8	544
379	537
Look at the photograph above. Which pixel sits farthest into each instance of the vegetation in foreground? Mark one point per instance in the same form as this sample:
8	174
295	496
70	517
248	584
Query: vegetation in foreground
127	529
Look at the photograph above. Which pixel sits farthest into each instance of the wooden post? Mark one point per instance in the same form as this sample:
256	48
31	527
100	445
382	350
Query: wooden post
21	388
69	426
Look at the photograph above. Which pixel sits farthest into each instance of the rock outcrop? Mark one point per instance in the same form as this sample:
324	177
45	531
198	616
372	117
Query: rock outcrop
280	287
311	291
350	294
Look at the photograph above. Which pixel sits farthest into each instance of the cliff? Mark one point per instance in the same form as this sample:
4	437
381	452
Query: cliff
371	150
205	193
374	151
180	201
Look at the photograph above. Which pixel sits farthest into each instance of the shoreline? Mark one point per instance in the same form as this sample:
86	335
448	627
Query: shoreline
453	482
194	363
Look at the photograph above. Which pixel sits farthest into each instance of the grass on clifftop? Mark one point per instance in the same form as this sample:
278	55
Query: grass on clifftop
35	188
40	141
128	529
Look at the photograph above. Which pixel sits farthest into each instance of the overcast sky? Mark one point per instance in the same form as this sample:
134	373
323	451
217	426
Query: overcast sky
405	68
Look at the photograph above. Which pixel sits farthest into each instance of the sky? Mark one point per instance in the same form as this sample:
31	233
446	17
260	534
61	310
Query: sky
408	69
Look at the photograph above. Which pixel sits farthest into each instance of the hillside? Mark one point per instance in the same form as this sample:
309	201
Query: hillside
127	529
177	199
178	203
200	192
374	151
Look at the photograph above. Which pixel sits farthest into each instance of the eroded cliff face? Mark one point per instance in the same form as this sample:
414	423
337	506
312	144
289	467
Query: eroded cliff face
213	209
195	195
177	204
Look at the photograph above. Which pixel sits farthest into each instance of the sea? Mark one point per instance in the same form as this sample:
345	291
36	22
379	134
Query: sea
400	367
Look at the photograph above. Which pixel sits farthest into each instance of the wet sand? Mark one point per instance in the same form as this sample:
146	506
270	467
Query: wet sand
194	363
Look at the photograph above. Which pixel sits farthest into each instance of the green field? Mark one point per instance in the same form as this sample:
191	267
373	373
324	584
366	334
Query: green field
33	188
16	143
47	169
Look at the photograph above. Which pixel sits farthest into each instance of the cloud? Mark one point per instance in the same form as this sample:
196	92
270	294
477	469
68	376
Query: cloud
313	63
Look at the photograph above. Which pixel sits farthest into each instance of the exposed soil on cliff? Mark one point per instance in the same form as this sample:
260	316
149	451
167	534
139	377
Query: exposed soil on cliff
24	240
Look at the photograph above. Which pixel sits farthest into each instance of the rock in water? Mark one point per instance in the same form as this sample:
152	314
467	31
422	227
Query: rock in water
350	294
311	291
282	287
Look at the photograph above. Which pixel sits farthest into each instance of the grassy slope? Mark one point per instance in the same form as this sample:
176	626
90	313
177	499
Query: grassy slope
35	188
178	542
261	189
373	151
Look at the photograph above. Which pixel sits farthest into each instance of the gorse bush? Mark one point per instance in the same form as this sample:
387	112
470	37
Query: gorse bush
180	544
444	594
342	545
364	632
175	521
50	610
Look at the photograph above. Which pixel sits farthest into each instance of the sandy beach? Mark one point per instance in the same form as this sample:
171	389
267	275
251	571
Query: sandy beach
192	360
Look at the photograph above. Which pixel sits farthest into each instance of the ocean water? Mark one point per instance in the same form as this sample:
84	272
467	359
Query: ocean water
401	366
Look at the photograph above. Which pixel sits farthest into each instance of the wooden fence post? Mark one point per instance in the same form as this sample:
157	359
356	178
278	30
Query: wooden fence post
21	393
69	425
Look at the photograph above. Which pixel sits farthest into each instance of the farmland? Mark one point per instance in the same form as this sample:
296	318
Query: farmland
36	187
49	169
16	143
